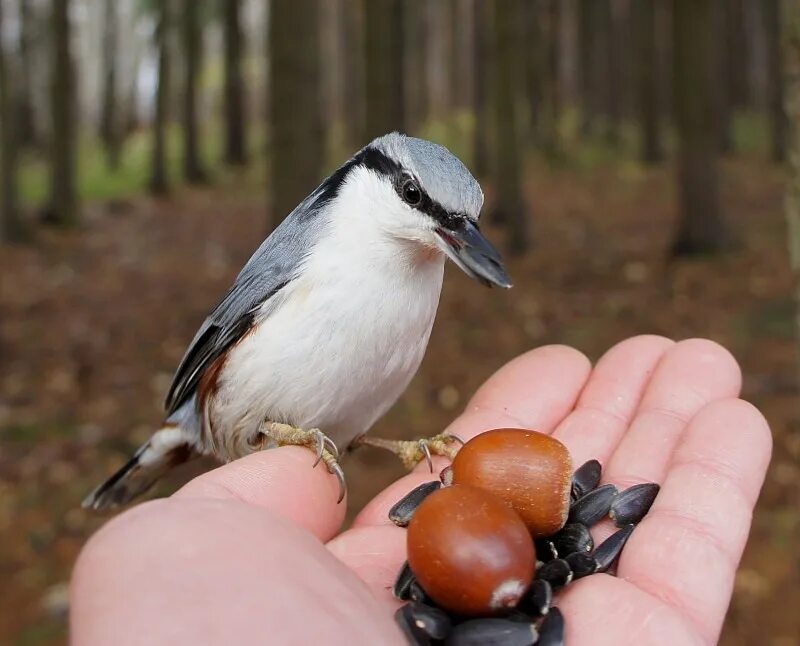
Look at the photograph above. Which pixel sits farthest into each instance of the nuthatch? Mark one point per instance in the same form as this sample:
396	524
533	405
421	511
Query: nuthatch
328	321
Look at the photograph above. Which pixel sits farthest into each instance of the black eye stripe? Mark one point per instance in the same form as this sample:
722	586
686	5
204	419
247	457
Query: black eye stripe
379	162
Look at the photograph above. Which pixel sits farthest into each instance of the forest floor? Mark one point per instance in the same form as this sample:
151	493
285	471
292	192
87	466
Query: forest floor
93	322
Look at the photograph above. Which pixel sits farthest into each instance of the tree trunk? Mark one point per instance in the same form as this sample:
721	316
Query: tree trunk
12	226
665	14
790	19
235	121
27	127
415	48
551	135
722	16
535	61
63	209
296	127
611	72
647	73
739	53
193	49
482	127
701	228
437	49
509	206
589	63
353	73
778	122
383	50
159	181
460	56
109	117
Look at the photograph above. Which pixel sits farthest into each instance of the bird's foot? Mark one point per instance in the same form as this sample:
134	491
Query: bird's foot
412	452
314	439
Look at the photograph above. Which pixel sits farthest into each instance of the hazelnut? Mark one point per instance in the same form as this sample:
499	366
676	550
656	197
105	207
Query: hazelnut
530	471
470	551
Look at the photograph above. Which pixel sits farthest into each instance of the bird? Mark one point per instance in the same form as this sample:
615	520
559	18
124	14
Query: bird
327	322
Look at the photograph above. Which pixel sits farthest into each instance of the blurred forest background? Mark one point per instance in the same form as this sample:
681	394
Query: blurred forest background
634	155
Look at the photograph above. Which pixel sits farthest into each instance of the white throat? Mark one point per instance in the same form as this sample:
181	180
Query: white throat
369	227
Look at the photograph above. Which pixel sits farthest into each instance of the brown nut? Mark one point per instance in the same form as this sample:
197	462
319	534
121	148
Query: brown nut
469	551
530	471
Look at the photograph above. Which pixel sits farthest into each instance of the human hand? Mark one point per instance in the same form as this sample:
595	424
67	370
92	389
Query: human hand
251	552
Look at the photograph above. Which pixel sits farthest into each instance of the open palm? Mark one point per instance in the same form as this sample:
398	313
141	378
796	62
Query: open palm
251	552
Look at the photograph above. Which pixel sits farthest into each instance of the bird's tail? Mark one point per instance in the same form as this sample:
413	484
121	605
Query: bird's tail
169	446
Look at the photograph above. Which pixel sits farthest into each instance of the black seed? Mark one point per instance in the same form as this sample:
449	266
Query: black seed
581	564
608	551
404	508
573	537
551	631
545	550
586	478
414	635
402	584
431	621
416	593
518	615
537	600
492	632
631	505
556	572
590	508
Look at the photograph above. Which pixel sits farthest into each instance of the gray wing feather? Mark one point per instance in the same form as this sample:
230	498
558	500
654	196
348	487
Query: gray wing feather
273	265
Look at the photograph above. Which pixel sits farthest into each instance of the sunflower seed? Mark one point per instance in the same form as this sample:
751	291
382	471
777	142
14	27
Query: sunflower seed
573	537
608	551
431	621
590	508
545	550
581	564
414	635
404	508
416	593
586	478
631	505
537	600
551	631
556	572
492	632
402	584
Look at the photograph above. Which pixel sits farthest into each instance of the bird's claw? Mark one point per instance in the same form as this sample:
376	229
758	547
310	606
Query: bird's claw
426	451
412	452
324	448
323	443
335	469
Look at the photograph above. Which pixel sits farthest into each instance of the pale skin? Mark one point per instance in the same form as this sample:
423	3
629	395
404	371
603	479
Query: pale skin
253	551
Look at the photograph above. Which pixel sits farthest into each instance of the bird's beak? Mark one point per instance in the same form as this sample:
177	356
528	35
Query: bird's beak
470	250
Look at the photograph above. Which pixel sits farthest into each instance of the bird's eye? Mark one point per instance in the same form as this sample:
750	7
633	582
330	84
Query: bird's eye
411	193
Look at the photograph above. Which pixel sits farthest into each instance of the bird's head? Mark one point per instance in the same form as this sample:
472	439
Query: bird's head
418	191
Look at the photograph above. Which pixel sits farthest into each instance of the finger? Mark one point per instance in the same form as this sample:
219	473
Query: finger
609	400
688	547
535	390
603	610
691	375
282	481
202	571
375	554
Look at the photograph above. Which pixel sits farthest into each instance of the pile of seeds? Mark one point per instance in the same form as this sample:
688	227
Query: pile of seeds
519	611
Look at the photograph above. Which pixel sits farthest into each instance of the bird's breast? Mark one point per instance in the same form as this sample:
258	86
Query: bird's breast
335	354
